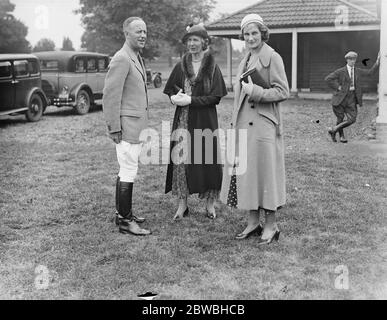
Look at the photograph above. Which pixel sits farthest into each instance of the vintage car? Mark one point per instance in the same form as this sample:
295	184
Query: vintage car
72	78
21	86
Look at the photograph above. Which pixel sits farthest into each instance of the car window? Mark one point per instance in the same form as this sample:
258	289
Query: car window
91	65
20	68
5	69
49	64
33	68
102	65
80	65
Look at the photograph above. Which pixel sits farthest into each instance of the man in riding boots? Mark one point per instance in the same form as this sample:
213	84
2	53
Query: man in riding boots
125	107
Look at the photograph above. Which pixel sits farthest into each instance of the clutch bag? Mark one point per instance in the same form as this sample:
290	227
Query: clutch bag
255	77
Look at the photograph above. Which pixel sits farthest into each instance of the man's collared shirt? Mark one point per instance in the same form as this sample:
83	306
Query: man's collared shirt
351	72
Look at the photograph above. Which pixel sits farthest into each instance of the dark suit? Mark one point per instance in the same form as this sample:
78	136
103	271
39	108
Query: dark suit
340	77
344	101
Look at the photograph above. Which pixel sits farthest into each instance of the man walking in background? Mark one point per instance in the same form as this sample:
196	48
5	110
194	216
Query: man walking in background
348	94
125	107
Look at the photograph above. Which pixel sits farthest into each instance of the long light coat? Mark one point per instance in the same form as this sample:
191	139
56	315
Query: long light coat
262	184
125	98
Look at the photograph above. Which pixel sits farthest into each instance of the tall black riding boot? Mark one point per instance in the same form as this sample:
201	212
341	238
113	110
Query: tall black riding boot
126	222
125	190
135	218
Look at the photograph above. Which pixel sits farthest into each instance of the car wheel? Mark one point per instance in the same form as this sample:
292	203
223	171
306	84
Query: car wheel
157	81
35	108
83	102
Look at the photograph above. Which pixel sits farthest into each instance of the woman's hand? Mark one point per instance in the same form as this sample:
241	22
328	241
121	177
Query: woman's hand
173	98
248	87
181	99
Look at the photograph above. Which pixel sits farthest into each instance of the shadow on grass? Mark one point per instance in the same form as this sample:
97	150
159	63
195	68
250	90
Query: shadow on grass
13	120
68	111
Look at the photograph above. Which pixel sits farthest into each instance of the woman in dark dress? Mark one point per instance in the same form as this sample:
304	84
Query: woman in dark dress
195	86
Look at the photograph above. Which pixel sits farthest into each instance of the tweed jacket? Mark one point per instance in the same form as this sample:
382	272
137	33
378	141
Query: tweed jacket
125	97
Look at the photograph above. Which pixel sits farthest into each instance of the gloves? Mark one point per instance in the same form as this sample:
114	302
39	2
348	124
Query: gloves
248	87
181	99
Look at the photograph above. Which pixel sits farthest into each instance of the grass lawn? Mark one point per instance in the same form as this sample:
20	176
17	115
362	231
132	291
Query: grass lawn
57	181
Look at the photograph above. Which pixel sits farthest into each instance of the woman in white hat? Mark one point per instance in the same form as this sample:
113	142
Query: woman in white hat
261	186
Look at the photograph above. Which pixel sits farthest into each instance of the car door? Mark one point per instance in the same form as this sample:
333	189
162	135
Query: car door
72	79
92	74
102	70
7	87
23	82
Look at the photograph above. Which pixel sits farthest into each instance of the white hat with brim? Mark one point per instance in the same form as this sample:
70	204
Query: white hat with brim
252	17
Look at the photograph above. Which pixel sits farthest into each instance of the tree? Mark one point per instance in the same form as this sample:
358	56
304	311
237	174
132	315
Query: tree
12	31
165	19
44	45
67	44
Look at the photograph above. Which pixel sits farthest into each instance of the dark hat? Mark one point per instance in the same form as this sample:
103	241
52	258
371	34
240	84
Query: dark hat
196	30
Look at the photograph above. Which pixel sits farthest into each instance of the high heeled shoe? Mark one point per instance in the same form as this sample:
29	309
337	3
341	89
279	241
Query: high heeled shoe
257	230
178	217
275	237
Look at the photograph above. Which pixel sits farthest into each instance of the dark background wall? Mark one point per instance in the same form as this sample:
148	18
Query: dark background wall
321	53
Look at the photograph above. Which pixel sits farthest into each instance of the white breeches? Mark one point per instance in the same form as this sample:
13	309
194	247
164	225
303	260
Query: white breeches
127	156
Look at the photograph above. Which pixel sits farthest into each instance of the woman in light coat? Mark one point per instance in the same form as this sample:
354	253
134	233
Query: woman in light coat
255	178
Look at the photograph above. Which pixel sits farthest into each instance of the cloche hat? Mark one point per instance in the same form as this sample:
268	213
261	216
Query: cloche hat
196	30
252	17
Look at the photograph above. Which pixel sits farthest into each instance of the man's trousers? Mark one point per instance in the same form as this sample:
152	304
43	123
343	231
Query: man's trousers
128	155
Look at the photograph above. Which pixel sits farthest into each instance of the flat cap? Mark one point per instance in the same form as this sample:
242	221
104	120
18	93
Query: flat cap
351	55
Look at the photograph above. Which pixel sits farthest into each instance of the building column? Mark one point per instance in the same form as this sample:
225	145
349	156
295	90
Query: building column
229	64
381	121
294	88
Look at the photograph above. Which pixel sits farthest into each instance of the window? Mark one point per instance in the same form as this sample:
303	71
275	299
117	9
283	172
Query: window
33	67
79	65
102	65
49	64
20	68
5	69
91	65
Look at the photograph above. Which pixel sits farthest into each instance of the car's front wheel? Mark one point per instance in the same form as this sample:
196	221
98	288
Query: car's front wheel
83	102
35	108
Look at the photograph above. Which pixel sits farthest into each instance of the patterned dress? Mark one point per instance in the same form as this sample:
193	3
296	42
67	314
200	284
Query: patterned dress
179	171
